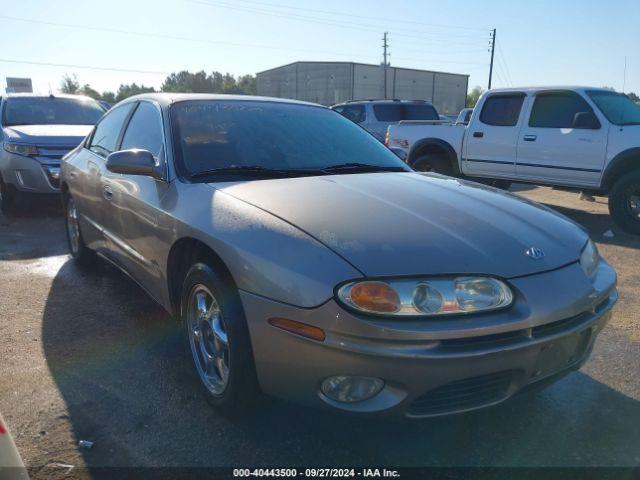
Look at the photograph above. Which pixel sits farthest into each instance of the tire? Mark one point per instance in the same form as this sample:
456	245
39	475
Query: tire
624	202
78	250
217	339
432	163
8	198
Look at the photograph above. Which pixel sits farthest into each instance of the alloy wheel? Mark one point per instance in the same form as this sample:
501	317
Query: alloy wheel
73	230
208	339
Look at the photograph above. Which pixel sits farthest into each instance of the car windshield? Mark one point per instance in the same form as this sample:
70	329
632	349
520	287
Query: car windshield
223	135
405	111
50	111
617	107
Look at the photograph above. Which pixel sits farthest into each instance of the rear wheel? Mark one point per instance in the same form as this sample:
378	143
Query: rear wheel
217	339
624	202
8	198
80	253
431	162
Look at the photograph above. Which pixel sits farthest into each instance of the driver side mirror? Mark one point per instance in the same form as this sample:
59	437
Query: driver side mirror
133	162
586	120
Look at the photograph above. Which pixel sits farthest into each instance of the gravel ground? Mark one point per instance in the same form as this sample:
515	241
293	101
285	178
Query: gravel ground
86	355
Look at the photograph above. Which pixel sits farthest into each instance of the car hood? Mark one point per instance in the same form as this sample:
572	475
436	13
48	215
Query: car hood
414	224
67	135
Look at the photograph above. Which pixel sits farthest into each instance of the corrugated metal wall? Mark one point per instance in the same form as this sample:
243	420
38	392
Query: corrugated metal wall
329	83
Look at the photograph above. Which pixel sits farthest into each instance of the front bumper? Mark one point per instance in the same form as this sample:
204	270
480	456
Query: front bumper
437	367
28	174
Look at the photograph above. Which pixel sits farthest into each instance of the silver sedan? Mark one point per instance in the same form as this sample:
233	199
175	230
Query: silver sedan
305	260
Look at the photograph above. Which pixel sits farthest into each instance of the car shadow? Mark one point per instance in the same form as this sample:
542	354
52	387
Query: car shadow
600	226
119	364
33	229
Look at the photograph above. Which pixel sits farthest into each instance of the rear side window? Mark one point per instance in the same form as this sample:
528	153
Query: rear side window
355	113
399	112
144	130
105	136
557	109
502	110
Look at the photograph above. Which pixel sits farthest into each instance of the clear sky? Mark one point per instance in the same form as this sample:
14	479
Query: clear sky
539	42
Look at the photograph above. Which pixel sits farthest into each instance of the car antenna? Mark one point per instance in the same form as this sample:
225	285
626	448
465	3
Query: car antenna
624	84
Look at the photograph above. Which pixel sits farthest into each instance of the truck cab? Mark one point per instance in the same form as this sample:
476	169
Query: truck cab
576	137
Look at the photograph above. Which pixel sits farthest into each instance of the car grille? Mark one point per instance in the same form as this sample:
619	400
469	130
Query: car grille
49	156
463	394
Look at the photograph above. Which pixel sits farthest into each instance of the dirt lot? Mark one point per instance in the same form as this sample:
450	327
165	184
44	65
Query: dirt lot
87	355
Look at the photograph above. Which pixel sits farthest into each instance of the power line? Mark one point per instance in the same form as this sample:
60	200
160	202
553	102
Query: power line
170	37
70	65
506	68
382	19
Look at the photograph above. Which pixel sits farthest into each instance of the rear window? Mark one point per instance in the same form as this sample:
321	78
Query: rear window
406	111
502	110
50	111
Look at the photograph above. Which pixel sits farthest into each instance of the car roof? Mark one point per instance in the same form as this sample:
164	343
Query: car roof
392	101
546	88
52	95
168	98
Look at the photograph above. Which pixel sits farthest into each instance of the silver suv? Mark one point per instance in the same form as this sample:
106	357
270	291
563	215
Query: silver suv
36	132
375	116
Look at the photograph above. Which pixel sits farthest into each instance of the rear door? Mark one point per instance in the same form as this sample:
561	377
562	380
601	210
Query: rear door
491	140
87	174
551	150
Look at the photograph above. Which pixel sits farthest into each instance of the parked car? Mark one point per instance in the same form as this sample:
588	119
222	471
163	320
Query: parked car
35	132
464	116
375	116
576	137
305	260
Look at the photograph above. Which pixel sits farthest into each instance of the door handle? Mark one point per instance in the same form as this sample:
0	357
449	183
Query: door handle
530	138
478	134
107	193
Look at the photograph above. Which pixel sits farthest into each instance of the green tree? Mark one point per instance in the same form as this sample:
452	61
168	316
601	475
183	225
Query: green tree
474	95
216	82
69	84
89	92
108	97
633	97
125	91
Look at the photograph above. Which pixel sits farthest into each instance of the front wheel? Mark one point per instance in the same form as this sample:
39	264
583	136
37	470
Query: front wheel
8	196
217	339
624	203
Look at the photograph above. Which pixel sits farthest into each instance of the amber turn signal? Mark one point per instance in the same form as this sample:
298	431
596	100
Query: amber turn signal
299	328
375	297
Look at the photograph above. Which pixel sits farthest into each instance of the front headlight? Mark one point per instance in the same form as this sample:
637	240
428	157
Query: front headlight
21	149
421	297
589	259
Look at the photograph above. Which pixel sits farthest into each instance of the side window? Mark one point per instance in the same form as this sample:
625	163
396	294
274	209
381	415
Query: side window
105	136
355	113
144	130
557	109
502	110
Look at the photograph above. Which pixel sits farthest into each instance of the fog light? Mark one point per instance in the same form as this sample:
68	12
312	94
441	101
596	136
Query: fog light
351	389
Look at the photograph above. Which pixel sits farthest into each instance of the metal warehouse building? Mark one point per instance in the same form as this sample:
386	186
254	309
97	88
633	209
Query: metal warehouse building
329	83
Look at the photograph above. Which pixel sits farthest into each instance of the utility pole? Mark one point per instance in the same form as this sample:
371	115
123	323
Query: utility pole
385	63
492	44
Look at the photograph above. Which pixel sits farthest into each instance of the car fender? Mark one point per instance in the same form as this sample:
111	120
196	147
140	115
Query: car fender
623	162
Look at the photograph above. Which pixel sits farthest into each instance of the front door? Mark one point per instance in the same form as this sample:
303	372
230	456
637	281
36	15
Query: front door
551	148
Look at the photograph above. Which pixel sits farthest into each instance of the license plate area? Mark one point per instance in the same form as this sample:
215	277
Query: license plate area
561	354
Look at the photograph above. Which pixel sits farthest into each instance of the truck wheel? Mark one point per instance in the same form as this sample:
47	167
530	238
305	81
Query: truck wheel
432	163
624	202
217	339
8	196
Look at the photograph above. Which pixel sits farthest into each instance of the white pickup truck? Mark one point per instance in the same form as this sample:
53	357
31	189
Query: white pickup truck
576	137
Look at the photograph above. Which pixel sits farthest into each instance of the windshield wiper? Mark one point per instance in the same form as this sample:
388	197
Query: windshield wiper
254	170
361	167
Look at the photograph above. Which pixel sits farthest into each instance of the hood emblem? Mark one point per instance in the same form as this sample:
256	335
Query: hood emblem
535	253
